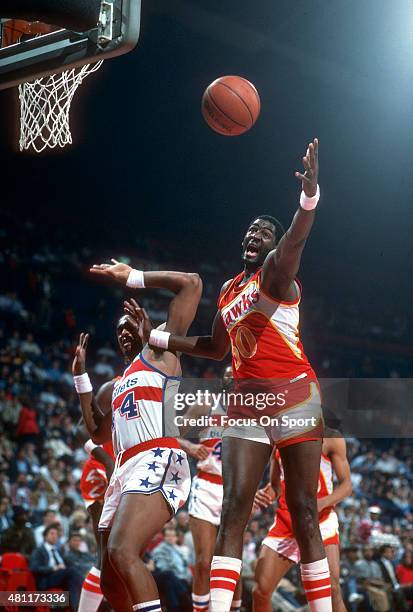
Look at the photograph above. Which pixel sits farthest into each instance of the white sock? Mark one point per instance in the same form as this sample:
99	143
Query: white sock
317	585
200	603
91	594
225	572
236	605
148	606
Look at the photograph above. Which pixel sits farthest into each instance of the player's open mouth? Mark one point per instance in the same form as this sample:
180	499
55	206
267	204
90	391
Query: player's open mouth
252	250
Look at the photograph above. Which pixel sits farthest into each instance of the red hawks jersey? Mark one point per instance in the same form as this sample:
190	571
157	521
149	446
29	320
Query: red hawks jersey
263	332
140	410
282	526
211	437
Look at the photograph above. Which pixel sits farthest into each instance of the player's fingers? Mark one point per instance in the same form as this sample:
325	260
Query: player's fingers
85	340
306	163
311	156
115	261
135	303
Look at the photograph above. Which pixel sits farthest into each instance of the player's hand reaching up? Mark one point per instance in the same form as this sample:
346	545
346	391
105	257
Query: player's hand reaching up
79	362
139	316
310	177
116	270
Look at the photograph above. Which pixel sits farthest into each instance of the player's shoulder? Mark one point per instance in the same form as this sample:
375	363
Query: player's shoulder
165	363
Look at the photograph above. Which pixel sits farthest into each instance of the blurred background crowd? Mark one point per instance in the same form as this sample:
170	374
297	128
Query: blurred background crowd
47	298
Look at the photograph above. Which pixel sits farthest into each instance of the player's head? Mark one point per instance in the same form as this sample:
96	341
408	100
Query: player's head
129	340
262	236
227	378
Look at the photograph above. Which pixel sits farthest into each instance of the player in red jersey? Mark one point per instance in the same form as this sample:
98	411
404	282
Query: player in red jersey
151	478
258	319
279	549
93	484
205	502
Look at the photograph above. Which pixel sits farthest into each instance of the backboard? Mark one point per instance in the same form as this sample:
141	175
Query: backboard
30	49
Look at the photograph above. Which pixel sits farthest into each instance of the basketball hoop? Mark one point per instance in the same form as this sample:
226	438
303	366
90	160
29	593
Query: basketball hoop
45	108
45	102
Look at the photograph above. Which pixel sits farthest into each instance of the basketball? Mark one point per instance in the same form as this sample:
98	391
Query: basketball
231	105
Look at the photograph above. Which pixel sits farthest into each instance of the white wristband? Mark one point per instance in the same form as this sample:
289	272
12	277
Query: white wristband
160	339
82	383
89	446
309	203
135	279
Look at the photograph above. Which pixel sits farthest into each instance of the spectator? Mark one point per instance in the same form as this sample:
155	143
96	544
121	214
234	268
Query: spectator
386	562
19	537
5	521
171	573
50	570
369	577
404	572
49	518
75	557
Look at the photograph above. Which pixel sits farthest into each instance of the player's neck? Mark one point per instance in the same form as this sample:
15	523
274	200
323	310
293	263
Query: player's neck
249	272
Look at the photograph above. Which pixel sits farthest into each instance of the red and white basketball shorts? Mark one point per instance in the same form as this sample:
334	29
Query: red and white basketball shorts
288	547
296	423
93	482
205	501
158	465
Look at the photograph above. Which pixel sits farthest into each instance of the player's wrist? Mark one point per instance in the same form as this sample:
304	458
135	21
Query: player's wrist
309	202
159	339
136	279
82	383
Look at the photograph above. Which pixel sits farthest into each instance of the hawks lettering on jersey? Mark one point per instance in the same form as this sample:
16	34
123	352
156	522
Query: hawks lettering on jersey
263	332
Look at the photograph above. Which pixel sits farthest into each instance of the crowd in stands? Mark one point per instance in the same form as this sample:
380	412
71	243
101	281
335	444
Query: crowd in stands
46	299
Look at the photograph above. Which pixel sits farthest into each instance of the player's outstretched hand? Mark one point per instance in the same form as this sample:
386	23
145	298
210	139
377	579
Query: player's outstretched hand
116	270
309	179
79	362
140	317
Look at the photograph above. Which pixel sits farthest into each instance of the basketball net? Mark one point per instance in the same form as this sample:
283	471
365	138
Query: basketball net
45	108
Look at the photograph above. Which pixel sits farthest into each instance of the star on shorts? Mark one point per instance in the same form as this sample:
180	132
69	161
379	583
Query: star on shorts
145	482
179	459
175	477
172	495
158	452
153	466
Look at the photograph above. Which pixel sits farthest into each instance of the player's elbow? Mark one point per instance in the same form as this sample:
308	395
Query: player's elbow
194	282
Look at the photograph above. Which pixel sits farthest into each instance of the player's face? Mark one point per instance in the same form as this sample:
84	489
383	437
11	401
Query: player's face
258	242
227	379
128	339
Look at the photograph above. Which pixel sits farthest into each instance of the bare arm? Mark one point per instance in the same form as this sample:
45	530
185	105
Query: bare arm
106	460
282	264
336	451
96	411
187	288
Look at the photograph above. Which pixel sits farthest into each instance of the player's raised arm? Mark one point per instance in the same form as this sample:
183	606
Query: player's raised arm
188	288
96	411
282	264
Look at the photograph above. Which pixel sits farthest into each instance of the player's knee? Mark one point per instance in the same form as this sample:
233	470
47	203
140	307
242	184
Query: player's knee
121	557
303	510
235	512
261	589
203	565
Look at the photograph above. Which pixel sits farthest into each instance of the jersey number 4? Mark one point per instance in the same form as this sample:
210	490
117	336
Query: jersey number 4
129	407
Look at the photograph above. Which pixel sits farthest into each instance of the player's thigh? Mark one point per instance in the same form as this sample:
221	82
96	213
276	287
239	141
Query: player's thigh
243	464
270	568
204	535
138	518
301	465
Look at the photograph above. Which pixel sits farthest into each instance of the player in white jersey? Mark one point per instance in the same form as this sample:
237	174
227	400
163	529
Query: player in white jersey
151	478
279	549
205	502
